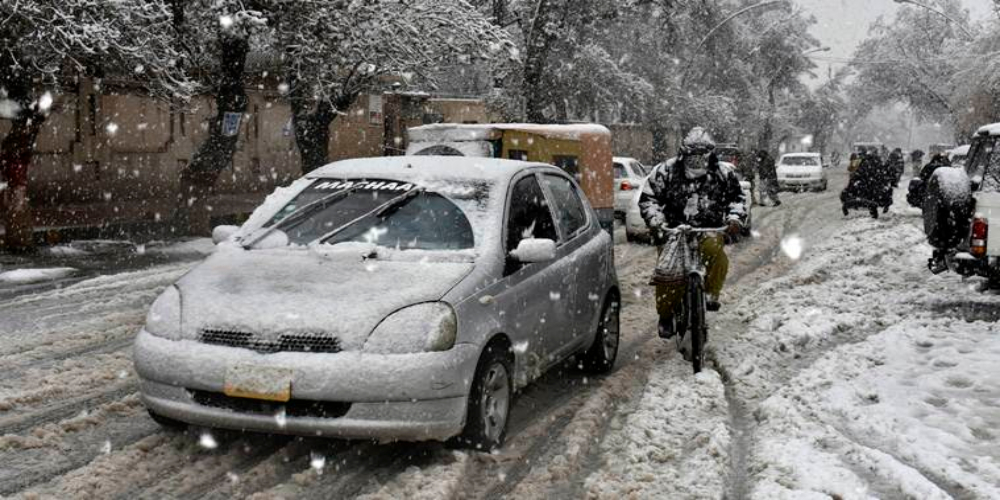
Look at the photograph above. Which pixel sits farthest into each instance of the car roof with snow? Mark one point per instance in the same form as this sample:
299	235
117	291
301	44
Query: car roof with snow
961	150
991	129
418	168
800	155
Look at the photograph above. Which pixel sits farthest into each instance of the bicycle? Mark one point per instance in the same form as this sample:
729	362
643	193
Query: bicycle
691	315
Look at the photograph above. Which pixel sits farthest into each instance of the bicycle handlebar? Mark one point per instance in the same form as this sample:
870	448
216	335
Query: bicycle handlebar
685	229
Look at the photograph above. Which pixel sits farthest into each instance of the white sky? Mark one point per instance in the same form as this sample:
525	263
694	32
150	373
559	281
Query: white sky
843	24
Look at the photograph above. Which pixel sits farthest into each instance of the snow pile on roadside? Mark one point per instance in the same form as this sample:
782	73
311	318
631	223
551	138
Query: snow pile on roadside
676	442
27	276
881	392
913	411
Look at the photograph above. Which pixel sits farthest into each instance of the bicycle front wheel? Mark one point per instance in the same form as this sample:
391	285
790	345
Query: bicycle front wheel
698	328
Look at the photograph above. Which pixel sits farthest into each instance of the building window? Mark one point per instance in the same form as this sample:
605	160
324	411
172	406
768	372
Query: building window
517	154
568	164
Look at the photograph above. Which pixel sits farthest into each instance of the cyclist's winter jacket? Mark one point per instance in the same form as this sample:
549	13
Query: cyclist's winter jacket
671	198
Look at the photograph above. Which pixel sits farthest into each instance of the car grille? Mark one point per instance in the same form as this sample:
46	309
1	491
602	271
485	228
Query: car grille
293	408
289	342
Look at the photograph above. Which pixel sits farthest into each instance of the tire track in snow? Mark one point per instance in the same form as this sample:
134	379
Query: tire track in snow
59	410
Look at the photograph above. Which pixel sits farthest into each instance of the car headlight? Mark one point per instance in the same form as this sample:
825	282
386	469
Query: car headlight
424	327
164	318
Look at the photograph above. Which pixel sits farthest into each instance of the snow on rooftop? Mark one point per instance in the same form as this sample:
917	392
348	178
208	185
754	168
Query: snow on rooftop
478	132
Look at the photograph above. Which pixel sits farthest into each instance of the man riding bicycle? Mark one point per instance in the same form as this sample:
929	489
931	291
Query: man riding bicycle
695	190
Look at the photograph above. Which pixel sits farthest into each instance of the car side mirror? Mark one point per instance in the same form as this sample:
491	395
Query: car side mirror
223	233
531	250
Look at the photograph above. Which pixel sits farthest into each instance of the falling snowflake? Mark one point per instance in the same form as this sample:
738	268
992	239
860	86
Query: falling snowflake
106	447
280	418
207	441
555	295
792	247
111	128
226	21
45	102
317	461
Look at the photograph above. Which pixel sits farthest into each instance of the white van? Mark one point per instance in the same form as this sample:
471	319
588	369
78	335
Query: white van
801	171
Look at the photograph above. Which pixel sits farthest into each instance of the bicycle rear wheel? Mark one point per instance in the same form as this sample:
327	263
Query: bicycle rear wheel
697	326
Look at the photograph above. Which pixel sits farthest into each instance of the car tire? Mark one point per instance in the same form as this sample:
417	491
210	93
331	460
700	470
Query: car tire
167	422
488	408
946	218
600	357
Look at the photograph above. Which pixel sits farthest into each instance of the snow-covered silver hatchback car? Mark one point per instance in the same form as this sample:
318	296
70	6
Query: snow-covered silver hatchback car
401	298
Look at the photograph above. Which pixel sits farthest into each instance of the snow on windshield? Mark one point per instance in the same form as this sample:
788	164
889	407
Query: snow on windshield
383	212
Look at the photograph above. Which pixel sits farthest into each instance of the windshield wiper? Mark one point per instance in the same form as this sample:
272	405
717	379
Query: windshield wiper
379	211
301	213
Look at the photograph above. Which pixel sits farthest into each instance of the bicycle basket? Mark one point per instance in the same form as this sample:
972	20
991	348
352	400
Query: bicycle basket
671	265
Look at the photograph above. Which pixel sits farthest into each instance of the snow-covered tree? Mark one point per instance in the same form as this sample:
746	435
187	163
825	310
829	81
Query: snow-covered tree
332	51
216	36
44	43
914	59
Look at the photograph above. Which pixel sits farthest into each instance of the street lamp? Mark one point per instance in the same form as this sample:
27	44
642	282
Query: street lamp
957	24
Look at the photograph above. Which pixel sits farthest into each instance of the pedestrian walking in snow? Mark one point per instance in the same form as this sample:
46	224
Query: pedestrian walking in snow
768	173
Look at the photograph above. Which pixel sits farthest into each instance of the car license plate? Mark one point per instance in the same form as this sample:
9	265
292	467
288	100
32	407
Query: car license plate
259	382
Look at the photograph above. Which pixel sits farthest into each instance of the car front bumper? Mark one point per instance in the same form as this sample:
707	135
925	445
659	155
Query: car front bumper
412	397
811	183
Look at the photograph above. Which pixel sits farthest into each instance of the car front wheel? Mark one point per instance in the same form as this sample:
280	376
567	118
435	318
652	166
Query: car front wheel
489	401
600	357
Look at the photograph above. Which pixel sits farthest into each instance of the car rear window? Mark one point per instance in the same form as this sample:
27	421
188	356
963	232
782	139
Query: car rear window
800	161
424	220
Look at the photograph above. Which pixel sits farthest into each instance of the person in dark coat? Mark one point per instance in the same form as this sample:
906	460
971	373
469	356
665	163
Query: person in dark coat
897	164
768	177
917	192
870	186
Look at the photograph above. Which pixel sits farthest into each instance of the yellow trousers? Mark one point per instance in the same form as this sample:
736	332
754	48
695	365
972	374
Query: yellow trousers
713	254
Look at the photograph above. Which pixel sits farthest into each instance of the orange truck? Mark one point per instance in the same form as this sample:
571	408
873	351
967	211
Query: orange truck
582	150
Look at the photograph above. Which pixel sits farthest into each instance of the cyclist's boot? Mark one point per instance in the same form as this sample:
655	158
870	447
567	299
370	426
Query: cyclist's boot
684	346
712	303
665	328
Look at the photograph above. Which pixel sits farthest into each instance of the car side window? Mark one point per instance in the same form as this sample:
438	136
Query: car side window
570	210
619	171
991	177
529	215
979	158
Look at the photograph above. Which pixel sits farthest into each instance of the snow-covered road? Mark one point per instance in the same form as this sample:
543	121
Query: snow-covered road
847	371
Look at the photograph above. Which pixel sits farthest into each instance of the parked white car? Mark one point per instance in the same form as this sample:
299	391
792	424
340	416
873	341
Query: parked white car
636	228
802	171
629	176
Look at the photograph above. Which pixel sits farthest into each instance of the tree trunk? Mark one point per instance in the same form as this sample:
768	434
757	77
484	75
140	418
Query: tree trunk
312	126
216	153
538	45
16	152
767	134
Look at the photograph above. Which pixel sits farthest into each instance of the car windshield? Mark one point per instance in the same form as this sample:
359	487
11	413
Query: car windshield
800	161
383	212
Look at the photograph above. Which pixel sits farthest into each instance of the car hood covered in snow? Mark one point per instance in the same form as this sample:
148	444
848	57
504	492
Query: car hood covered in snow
270	293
